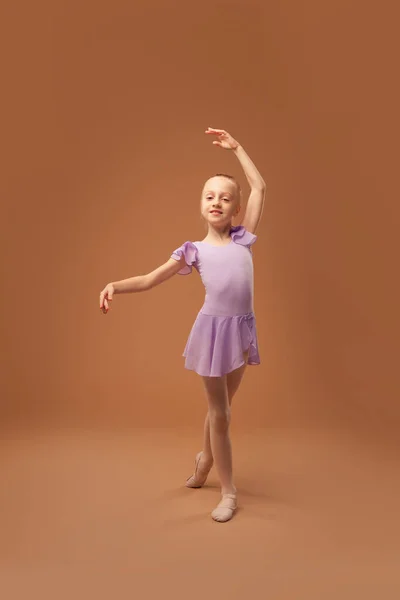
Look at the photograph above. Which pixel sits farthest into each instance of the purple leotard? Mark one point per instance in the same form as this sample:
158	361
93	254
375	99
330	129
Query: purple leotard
225	327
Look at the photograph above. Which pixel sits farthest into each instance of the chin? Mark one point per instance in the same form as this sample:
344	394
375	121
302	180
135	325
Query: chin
218	222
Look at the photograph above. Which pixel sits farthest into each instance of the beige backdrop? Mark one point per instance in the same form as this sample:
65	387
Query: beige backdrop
105	105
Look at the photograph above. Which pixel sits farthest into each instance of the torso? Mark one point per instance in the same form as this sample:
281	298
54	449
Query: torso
227	274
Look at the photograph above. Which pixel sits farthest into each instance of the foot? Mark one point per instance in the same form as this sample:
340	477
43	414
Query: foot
201	471
225	509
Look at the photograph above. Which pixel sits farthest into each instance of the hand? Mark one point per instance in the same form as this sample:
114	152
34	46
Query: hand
106	297
225	140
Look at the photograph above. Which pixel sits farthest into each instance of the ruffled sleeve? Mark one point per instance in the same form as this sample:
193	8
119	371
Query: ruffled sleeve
240	235
189	251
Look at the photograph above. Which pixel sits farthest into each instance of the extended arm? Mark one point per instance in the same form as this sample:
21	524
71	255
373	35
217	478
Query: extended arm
140	283
255	203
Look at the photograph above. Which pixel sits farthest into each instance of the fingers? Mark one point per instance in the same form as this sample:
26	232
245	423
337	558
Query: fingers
105	299
105	307
218	131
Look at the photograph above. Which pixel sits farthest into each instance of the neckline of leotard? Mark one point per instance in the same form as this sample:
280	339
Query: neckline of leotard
214	246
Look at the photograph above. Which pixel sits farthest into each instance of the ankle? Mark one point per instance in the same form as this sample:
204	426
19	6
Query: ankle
206	458
231	490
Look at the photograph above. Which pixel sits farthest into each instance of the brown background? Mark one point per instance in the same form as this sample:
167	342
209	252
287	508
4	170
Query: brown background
104	109
105	159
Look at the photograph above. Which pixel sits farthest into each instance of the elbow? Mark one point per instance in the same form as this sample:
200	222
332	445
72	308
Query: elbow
262	186
259	186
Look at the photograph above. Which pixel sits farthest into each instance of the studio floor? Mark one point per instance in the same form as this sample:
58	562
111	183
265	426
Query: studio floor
105	514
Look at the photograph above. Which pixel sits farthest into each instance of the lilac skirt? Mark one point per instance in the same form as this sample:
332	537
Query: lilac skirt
216	344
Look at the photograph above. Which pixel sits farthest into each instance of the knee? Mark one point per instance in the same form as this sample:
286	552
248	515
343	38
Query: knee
220	418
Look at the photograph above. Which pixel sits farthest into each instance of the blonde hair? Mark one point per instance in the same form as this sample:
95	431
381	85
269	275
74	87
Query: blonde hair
232	178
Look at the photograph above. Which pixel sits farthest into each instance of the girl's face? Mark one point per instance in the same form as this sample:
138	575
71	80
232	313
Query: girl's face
220	201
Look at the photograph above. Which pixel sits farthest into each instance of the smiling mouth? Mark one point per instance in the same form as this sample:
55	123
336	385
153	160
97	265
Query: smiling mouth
215	212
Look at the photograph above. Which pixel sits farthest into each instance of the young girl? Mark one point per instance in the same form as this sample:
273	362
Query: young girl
223	339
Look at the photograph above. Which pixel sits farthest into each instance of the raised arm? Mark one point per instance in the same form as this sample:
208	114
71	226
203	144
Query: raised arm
255	203
140	283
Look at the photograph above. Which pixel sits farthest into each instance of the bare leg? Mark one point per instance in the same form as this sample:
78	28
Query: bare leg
204	460
234	379
219	411
220	417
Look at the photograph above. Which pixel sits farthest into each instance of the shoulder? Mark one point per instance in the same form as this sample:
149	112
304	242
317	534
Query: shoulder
187	248
240	235
186	254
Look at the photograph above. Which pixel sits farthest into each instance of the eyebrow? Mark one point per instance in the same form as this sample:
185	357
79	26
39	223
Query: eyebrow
223	193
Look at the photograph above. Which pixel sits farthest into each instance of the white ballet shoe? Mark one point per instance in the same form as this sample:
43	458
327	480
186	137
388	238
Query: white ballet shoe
199	477
225	509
